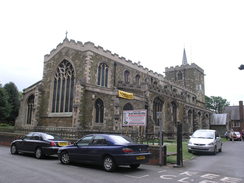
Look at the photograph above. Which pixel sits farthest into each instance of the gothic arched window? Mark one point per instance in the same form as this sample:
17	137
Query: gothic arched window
126	76
127	107
137	79
179	75
63	88
157	107
102	75
30	105
99	111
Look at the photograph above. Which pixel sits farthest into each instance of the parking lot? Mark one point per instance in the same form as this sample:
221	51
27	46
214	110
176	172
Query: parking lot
226	166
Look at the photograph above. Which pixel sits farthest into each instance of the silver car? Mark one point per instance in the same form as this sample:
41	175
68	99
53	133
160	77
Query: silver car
205	141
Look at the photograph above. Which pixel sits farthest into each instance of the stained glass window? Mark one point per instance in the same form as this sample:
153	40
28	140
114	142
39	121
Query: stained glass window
63	88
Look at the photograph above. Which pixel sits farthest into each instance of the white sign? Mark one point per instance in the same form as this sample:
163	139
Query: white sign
135	118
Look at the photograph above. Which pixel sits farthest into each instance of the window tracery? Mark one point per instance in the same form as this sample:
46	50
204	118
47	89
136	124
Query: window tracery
137	79
99	111
63	88
126	76
102	75
30	106
179	75
157	107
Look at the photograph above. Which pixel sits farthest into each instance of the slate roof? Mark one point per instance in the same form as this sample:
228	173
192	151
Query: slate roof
219	119
233	111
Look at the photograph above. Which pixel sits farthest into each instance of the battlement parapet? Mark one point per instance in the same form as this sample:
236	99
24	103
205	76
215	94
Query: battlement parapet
90	46
187	66
100	50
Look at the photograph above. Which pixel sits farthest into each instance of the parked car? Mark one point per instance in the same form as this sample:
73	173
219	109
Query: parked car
38	143
235	136
205	141
227	135
107	150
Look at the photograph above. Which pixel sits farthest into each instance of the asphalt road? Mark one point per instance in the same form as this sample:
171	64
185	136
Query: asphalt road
225	167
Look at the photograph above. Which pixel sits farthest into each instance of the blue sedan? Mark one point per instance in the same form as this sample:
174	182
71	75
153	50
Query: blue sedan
107	150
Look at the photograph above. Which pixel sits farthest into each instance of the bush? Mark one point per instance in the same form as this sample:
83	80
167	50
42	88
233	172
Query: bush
6	125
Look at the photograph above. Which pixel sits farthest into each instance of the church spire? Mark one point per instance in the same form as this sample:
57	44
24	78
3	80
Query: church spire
184	59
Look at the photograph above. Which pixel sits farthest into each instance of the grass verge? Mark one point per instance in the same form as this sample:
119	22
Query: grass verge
6	127
172	147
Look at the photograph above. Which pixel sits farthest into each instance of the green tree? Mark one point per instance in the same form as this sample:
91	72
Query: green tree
5	107
216	104
14	101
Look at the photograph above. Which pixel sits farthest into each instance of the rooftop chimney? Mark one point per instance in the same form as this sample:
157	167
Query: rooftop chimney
241	110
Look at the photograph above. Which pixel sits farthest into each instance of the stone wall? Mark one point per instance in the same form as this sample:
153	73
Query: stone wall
6	137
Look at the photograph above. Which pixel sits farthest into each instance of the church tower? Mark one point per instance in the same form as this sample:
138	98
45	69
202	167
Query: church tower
190	76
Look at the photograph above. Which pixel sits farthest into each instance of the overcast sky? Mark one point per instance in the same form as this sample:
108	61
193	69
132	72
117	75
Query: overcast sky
153	32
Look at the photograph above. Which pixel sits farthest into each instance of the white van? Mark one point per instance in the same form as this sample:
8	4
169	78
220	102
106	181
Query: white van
207	141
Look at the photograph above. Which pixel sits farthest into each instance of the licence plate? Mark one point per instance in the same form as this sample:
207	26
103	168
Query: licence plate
62	143
140	157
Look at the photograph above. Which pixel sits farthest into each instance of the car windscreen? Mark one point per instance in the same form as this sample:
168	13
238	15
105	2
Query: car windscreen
51	137
203	134
121	140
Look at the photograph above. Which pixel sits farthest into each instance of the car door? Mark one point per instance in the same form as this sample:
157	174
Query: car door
80	153
24	145
35	141
97	148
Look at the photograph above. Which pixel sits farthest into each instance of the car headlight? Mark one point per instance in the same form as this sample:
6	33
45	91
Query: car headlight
211	144
190	143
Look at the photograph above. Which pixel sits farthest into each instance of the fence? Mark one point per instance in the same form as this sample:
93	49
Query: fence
75	133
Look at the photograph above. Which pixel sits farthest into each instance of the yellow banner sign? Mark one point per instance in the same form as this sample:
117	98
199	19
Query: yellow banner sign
125	95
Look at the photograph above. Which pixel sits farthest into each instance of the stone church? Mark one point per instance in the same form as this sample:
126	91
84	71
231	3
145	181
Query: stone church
79	90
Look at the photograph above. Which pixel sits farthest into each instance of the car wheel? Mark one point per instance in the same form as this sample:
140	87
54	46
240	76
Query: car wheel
109	164
135	166
64	158
220	149
13	149
38	153
189	151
